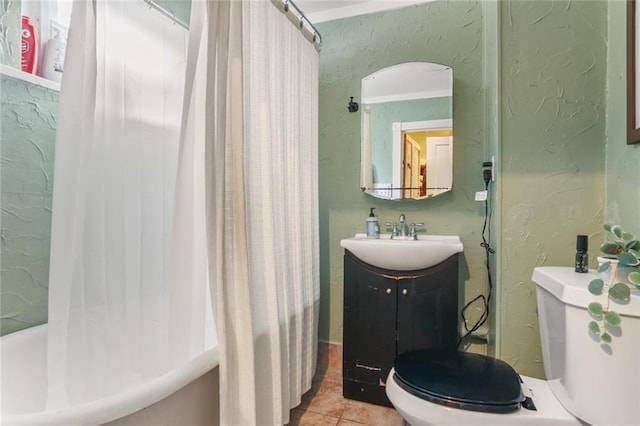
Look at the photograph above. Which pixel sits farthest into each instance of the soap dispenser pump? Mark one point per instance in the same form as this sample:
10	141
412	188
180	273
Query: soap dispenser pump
373	227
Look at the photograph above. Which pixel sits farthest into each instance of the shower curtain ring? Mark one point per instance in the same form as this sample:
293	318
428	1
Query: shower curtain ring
286	5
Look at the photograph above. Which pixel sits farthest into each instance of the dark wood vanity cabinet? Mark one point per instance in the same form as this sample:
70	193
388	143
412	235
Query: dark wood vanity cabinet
390	312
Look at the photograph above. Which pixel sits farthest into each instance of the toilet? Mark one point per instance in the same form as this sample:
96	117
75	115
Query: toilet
588	382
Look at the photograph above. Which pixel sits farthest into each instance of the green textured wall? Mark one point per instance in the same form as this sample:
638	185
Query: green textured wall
553	73
26	181
623	161
443	32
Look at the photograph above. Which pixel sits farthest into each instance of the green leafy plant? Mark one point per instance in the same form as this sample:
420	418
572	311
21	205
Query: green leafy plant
625	248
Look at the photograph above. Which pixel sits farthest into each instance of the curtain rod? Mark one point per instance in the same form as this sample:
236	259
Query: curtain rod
166	12
289	5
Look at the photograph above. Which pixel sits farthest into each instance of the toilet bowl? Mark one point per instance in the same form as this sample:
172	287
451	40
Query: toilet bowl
588	381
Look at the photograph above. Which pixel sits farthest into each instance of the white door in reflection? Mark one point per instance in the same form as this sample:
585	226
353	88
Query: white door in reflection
439	160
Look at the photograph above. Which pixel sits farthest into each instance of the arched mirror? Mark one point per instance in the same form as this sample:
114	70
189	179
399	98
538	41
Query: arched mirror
407	131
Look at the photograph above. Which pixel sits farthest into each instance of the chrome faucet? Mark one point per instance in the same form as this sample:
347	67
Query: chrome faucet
404	229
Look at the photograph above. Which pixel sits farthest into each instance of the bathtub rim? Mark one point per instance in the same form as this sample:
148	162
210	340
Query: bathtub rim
120	405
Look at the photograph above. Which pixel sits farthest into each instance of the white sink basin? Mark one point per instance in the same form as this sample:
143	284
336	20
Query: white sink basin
403	254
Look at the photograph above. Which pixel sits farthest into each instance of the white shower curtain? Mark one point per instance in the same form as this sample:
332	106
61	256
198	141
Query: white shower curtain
128	290
260	76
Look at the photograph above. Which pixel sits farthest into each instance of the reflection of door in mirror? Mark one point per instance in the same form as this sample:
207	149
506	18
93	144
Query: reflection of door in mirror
409	98
430	145
411	166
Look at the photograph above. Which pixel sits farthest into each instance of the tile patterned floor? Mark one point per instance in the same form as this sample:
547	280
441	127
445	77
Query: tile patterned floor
325	405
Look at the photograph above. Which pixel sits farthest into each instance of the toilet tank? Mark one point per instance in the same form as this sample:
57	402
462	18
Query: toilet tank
598	383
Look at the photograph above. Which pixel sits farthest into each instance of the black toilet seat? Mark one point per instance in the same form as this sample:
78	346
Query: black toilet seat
460	380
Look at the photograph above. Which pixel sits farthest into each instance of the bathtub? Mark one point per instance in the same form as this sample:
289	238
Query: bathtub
187	395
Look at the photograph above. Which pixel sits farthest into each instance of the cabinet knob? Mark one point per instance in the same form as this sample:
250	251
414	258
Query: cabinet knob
388	291
404	291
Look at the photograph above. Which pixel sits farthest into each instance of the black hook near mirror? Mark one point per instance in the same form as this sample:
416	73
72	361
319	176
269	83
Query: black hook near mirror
353	106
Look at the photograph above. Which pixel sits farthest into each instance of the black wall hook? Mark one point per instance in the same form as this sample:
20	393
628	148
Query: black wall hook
353	106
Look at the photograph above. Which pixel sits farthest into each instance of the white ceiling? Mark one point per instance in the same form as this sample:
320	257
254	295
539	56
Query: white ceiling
328	10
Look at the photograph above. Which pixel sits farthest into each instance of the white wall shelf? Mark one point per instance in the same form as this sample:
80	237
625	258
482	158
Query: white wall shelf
29	78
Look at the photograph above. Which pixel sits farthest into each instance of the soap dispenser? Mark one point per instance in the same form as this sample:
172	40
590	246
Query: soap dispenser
373	227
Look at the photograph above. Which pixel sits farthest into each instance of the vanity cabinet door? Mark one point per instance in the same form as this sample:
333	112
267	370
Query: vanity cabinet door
369	324
428	308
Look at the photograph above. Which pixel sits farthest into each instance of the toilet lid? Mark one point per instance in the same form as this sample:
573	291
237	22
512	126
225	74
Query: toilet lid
458	379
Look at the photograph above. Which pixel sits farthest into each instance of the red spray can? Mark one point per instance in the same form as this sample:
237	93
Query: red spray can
30	48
